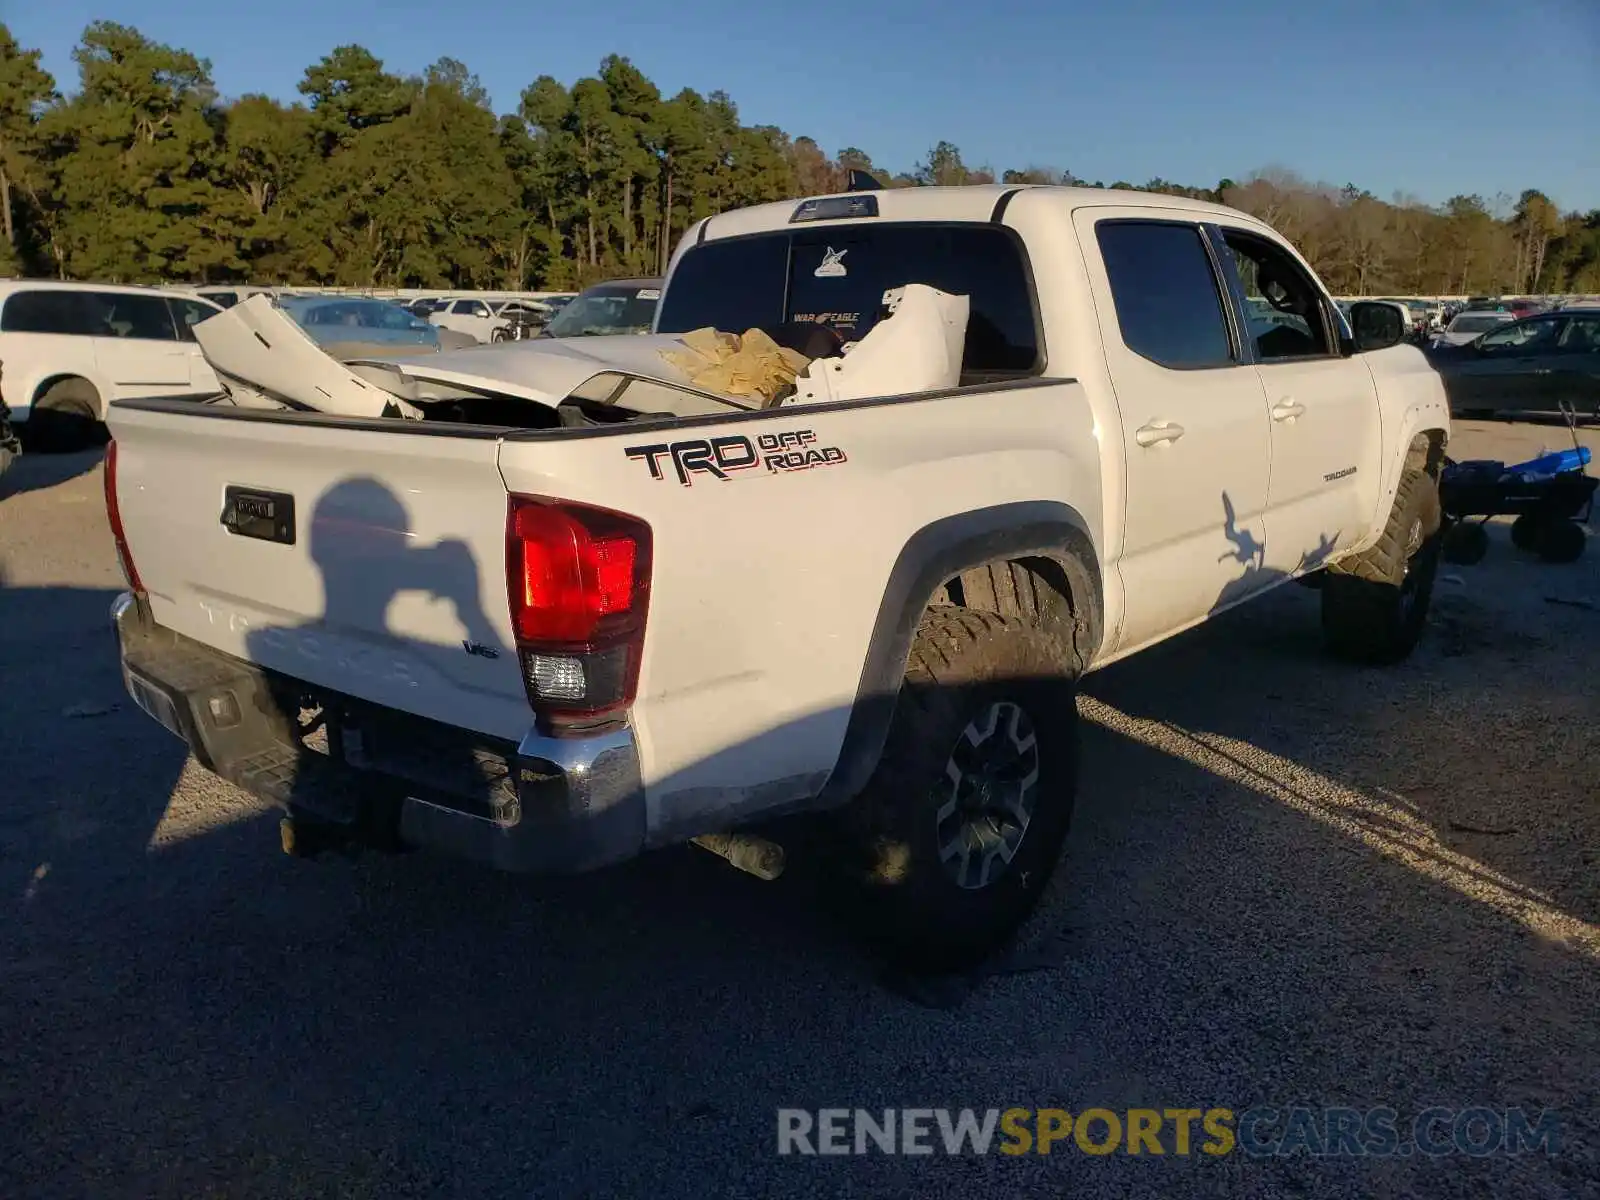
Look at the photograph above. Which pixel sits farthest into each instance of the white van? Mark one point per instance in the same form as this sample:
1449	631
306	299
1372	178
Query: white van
69	349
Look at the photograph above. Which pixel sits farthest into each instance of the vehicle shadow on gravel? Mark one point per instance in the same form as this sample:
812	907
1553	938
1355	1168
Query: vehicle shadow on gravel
212	1017
36	472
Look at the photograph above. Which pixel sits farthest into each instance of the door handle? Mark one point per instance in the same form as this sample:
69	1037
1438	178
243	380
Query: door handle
1287	410
1154	434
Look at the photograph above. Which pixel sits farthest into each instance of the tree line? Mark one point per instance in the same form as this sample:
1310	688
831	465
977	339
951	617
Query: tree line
146	173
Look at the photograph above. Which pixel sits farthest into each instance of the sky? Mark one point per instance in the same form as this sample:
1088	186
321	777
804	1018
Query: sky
1430	98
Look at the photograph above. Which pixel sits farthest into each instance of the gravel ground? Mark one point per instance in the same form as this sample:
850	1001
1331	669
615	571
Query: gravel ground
1290	883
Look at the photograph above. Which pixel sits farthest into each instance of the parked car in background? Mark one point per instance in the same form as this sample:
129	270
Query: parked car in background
1535	365
522	311
360	326
1525	308
519	320
617	306
482	319
69	349
227	297
1468	325
467	315
426	306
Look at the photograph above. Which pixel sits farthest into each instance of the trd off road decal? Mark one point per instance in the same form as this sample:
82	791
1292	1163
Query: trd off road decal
725	457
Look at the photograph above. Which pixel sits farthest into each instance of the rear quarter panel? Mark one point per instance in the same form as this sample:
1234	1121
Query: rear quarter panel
31	360
767	583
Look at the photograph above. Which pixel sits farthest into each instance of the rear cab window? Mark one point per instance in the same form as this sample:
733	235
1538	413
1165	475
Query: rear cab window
836	276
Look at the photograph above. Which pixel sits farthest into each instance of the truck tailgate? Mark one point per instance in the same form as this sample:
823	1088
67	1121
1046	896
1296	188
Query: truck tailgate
365	561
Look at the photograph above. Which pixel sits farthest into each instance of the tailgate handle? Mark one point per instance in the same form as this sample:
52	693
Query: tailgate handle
256	513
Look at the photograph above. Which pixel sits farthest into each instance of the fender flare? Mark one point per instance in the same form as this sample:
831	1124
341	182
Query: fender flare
934	554
1417	420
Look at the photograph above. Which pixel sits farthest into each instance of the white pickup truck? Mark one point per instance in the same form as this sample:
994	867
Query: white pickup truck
550	631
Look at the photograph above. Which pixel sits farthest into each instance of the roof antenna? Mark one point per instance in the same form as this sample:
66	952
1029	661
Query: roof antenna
860	181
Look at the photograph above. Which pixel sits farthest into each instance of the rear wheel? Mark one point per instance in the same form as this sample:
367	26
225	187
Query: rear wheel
959	829
66	417
1374	608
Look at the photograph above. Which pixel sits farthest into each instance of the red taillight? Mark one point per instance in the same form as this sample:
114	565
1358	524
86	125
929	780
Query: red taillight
114	519
579	583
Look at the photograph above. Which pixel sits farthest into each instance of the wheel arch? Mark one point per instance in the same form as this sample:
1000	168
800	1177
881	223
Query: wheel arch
1425	450
50	381
1033	559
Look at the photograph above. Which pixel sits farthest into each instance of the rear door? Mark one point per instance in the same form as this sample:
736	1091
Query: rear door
136	345
1194	420
1576	364
1323	406
365	561
1509	368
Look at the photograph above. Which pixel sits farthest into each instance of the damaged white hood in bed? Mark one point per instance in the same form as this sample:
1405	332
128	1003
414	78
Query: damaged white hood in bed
261	355
264	358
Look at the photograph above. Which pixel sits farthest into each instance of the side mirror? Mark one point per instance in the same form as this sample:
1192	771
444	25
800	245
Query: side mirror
1376	326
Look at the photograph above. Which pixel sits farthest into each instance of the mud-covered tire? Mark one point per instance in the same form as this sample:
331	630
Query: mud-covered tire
65	418
1374	607
976	685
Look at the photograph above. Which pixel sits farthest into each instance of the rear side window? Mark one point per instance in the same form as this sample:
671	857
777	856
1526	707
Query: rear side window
224	299
1165	290
190	313
836	276
122	315
48	311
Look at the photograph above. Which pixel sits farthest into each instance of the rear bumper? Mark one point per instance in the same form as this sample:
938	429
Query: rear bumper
543	805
